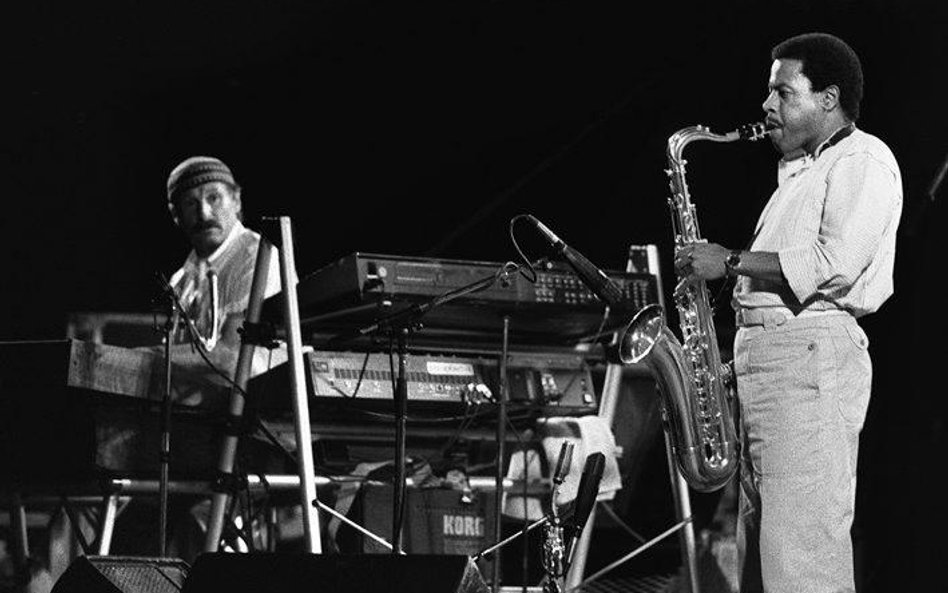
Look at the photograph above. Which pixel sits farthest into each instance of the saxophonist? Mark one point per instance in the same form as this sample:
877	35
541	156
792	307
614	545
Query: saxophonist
821	257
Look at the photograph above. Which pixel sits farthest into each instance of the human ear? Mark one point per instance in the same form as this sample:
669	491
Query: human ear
830	97
173	211
236	197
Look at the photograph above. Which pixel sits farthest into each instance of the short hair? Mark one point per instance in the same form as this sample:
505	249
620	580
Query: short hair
827	60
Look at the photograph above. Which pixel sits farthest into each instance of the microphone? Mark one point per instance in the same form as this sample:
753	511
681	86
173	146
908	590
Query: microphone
593	277
563	463
586	494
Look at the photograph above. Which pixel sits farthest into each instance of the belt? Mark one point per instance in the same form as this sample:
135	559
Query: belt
774	316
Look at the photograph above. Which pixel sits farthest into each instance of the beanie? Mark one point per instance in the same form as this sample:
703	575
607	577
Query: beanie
195	171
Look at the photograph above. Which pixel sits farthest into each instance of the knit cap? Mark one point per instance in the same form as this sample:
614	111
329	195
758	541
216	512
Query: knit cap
195	171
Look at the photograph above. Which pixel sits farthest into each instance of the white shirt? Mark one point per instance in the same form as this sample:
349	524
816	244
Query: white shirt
832	222
217	287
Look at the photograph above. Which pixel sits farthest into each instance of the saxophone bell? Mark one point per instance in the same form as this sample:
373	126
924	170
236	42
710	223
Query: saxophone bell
641	334
704	444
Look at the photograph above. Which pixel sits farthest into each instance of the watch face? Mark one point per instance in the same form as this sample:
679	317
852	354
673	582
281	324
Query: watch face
733	260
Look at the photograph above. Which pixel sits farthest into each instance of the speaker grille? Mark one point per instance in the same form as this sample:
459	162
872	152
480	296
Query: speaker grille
124	574
144	575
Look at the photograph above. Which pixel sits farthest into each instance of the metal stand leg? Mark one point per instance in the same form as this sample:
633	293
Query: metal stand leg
109	512
503	397
686	535
607	409
298	384
19	540
225	466
304	441
679	486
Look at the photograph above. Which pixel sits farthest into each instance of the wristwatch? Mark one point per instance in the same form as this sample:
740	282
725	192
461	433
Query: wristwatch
731	262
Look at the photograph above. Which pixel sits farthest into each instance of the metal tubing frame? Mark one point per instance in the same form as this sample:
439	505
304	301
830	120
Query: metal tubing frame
607	408
228	454
109	513
400	402
686	536
682	499
117	491
304	440
504	397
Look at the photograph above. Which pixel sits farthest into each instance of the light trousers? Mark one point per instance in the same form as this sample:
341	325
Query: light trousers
803	387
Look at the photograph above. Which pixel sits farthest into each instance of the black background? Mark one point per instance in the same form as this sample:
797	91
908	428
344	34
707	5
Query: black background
421	128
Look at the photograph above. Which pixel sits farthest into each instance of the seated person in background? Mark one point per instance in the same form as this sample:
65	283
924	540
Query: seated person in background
213	285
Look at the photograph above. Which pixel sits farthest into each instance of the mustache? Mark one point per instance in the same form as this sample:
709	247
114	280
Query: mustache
205	226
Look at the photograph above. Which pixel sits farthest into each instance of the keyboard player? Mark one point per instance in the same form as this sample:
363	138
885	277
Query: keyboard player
213	287
213	284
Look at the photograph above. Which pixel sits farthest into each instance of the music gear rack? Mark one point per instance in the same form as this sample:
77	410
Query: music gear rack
558	308
556	384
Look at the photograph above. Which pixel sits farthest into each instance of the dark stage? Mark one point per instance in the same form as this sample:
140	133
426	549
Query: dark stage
422	128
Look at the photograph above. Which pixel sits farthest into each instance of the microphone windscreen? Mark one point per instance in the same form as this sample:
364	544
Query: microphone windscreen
588	490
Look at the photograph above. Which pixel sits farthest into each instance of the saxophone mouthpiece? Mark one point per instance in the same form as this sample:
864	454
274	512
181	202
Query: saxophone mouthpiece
755	131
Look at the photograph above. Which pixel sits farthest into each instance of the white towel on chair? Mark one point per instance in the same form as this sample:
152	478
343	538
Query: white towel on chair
589	434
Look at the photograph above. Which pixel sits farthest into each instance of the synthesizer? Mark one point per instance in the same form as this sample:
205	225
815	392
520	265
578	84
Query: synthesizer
556	383
362	287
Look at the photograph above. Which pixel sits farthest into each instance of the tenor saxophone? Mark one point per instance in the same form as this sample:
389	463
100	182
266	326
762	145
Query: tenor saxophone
690	376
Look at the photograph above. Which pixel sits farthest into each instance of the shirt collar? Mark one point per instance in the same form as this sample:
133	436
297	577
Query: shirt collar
789	168
835	137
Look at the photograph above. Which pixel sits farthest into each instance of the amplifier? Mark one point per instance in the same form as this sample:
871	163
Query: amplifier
561	383
363	287
438	521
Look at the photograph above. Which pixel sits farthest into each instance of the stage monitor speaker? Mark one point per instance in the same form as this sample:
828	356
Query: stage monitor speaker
122	574
335	573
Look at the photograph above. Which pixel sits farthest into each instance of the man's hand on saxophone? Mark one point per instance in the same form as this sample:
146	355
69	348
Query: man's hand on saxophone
701	261
710	261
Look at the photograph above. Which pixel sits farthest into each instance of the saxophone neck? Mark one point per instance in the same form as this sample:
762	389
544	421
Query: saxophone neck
685	136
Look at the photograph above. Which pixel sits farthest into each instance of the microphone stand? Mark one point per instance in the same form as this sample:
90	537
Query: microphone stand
501	444
164	456
401	423
553	551
494	547
399	326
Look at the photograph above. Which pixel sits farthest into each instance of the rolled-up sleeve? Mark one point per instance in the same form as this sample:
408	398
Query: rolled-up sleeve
861	201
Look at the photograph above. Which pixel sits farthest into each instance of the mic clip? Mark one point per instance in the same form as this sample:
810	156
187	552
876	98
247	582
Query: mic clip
261	334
